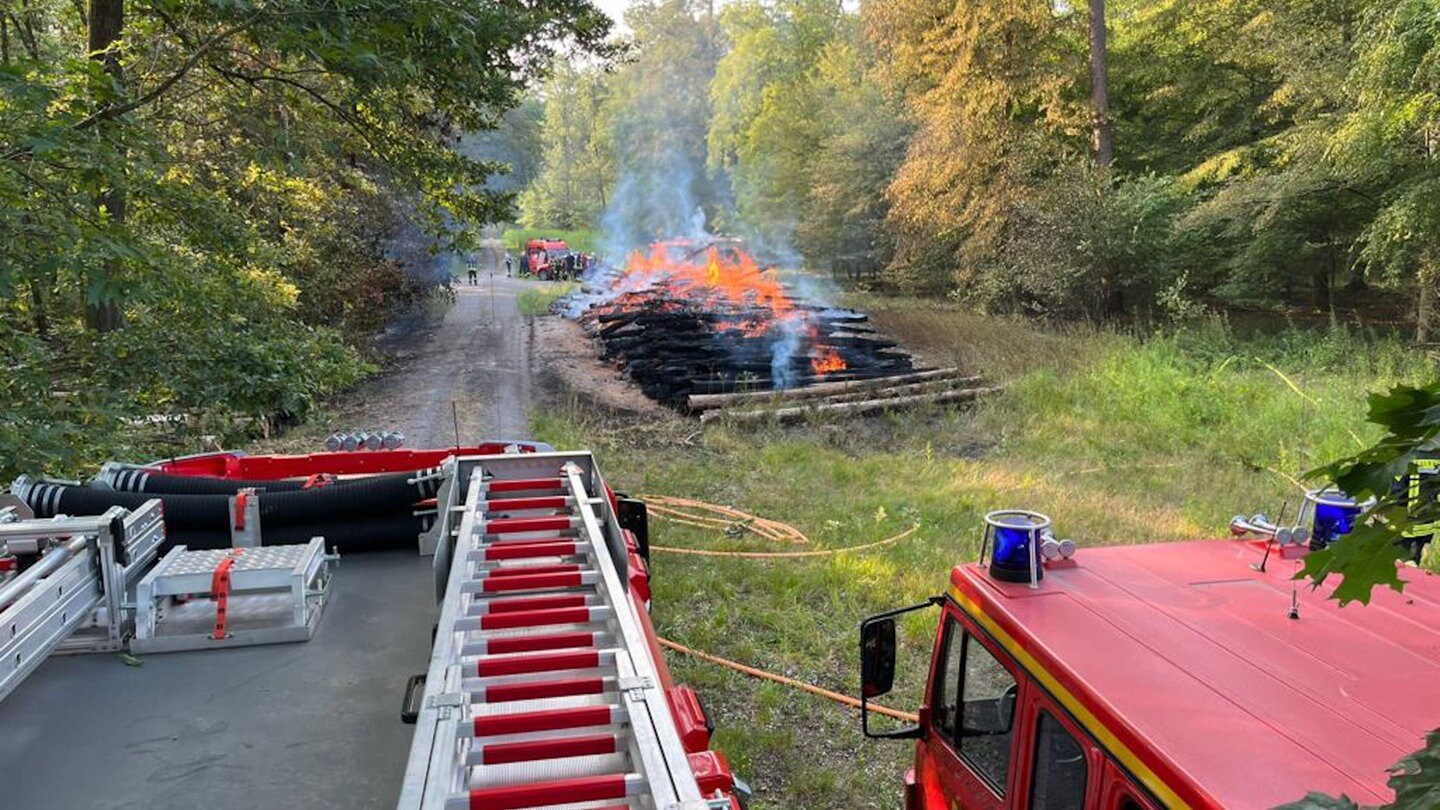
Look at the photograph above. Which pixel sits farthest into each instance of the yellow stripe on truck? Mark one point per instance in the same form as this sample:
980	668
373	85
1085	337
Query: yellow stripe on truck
1097	729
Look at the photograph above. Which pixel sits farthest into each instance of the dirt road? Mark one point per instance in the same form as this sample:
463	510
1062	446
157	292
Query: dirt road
474	369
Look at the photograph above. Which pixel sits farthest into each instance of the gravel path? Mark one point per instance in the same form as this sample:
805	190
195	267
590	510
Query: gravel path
474	369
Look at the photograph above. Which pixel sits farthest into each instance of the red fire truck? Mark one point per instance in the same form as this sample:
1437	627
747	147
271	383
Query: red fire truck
545	685
543	257
1169	675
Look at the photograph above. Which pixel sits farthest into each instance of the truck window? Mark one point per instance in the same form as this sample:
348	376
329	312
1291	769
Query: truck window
1060	772
981	724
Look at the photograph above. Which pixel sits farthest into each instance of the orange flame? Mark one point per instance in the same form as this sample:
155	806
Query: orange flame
828	362
730	278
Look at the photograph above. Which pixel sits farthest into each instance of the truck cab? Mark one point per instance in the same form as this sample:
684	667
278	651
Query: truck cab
544	257
1167	675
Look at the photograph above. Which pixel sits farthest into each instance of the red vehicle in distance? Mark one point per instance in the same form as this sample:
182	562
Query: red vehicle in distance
1168	675
543	258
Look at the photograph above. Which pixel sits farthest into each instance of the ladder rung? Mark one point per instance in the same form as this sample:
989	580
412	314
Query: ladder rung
521	484
501	645
542	662
499	526
531	539
534	618
514	603
549	748
539	690
531	582
521	551
544	794
496	725
523	504
525	570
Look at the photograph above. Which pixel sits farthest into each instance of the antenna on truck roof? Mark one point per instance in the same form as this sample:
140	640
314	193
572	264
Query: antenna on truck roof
1279	521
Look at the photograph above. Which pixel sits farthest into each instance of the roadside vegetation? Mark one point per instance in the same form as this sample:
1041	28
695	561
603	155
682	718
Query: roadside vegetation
585	240
1121	438
205	221
537	300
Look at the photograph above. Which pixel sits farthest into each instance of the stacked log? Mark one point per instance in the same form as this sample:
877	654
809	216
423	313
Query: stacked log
675	341
843	399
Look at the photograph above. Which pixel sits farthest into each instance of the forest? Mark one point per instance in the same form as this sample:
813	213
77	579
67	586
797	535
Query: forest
1242	154
207	207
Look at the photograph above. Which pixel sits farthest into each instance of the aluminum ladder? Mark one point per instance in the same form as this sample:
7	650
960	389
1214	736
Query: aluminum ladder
542	689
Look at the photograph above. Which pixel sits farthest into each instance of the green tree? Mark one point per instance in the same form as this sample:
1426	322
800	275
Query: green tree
864	134
770	114
1388	142
578	166
265	156
657	111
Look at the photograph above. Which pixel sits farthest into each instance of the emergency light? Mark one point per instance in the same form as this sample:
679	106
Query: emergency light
1334	515
1014	537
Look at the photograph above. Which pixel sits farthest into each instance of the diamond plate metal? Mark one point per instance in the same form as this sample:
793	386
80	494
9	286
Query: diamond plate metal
253	559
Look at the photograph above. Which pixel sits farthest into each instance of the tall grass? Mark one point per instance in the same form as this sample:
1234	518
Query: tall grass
1121	438
537	300
584	240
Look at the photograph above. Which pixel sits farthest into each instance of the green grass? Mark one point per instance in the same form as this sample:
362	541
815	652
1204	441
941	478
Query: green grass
537	300
1121	439
584	240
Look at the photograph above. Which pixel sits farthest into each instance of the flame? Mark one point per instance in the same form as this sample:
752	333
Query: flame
828	362
745	300
732	278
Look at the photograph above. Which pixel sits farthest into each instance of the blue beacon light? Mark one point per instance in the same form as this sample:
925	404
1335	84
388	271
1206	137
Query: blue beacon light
1015	552
1335	514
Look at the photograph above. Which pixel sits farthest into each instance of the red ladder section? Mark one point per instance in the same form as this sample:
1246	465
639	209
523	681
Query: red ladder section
559	702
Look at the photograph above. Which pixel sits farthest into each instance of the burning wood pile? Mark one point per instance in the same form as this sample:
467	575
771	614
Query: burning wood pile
689	321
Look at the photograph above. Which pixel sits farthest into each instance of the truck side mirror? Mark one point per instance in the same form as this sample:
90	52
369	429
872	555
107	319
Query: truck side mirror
878	648
877	656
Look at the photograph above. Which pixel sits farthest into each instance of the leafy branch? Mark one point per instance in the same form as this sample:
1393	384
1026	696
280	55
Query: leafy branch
1368	557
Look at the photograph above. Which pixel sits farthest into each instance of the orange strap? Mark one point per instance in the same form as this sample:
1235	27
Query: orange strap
319	480
220	587
240	498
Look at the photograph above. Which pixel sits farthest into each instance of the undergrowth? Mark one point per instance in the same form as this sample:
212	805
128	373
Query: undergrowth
537	300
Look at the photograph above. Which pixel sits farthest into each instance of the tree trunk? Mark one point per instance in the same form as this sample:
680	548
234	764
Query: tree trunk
1426	279
1100	86
107	20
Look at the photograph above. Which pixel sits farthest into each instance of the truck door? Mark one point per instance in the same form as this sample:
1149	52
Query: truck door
975	693
1066	769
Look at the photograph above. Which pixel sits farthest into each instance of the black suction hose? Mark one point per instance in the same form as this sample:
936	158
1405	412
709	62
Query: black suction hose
349	537
146	481
375	500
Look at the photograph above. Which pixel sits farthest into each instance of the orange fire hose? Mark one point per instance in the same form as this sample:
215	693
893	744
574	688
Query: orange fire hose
767	555
704	515
770	676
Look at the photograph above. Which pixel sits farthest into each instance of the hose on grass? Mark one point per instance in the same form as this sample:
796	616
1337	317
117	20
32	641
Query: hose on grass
771	555
754	672
704	515
690	512
714	516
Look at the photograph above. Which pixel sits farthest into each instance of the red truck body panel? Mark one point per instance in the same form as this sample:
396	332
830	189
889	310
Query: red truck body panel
1182	664
358	462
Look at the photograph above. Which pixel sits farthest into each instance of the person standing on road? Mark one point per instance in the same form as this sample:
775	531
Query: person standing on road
507	265
474	273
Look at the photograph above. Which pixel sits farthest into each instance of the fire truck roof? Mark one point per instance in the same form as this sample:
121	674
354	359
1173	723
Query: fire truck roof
1184	662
